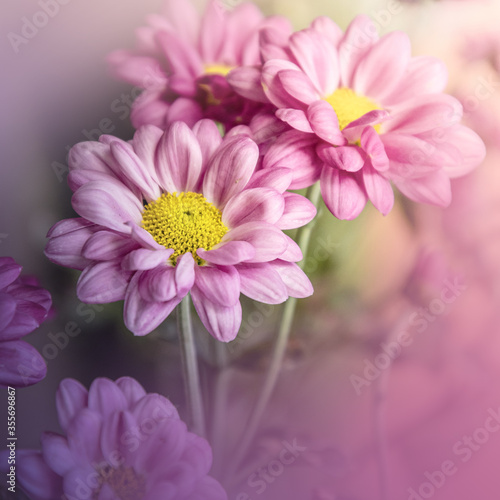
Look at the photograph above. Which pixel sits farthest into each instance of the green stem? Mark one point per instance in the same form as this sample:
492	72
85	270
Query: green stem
190	367
303	240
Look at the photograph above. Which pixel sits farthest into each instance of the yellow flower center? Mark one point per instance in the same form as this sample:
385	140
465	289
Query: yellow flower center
349	106
217	69
124	481
184	222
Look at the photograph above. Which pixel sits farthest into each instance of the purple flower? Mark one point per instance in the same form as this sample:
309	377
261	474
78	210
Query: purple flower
177	212
119	444
23	307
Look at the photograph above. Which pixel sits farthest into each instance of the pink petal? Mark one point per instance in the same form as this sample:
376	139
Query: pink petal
240	130
106	398
141	316
374	147
382	67
164	446
121	437
184	274
182	85
295	280
348	158
7	309
150	108
318	59
71	399
353	131
471	148
246	81
298	85
221	322
78	178
266	127
269	242
278	178
132	68
102	283
262	282
212	33
184	19
273	41
9	272
220	285
433	188
145	142
107	204
298	211
183	60
208	136
327	28
56	453
158	406
20	364
378	189
27	289
179	159
26	319
142	237
296	118
293	253
230	169
184	110
199	447
132	390
425	113
228	253
131	166
424	75
290	150
412	157
83	437
91	155
342	193
78	481
243	24
296	151
253	205
67	226
360	35
273	87
324	122
35	476
106	245
143	259
158	285
66	249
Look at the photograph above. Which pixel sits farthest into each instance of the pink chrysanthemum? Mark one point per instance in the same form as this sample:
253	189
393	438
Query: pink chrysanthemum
182	62
176	212
23	307
119	444
378	114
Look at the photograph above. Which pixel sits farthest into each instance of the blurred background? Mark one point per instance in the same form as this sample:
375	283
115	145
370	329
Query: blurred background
390	383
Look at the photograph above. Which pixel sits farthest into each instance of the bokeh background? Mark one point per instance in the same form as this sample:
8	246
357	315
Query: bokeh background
372	418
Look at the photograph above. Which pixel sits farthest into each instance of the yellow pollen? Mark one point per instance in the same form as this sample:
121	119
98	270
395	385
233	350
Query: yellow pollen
124	481
217	69
209	96
184	222
349	106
